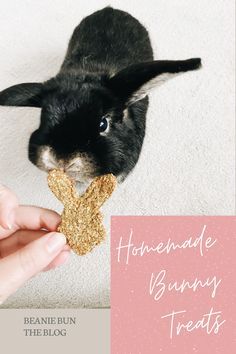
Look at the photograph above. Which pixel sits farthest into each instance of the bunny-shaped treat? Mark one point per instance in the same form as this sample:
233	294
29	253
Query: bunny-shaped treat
81	219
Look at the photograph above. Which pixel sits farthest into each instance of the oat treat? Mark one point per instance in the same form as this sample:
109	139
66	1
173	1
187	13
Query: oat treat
81	218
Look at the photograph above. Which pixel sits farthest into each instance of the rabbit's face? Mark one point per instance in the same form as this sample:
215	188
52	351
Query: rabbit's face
89	123
82	130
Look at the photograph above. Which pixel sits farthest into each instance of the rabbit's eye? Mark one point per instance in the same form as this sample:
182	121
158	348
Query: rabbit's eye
103	126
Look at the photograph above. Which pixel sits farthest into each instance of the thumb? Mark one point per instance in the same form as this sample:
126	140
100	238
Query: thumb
20	266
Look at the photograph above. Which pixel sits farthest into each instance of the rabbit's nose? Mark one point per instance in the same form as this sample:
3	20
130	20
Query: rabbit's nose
74	168
74	165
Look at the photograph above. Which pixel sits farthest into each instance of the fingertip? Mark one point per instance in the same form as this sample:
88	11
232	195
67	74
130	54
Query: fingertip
5	224
60	260
52	220
7	218
67	248
8	204
55	242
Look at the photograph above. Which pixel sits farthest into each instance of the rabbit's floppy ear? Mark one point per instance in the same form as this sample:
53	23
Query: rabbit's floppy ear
26	95
100	189
134	82
61	185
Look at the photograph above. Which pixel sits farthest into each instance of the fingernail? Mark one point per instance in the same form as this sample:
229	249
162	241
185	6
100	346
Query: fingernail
55	242
9	226
10	220
6	225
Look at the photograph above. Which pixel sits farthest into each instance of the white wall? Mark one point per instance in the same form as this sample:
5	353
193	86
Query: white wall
187	163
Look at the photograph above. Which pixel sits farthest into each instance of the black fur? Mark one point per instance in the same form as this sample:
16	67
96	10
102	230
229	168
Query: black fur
108	62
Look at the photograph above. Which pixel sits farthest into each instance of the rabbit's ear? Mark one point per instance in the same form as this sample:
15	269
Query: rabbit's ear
61	185
27	95
100	189
134	82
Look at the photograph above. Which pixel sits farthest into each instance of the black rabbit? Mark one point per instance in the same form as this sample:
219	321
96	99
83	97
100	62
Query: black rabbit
94	110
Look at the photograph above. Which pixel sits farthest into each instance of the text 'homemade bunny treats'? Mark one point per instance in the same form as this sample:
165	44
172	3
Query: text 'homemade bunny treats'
81	219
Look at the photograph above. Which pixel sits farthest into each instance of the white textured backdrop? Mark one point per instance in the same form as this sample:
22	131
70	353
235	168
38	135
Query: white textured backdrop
187	163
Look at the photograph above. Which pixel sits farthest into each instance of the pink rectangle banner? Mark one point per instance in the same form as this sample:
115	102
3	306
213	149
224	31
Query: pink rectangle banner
173	285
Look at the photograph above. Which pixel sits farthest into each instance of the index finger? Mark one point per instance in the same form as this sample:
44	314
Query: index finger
36	218
31	218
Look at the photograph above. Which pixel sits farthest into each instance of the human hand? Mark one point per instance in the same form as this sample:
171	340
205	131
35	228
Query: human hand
28	242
